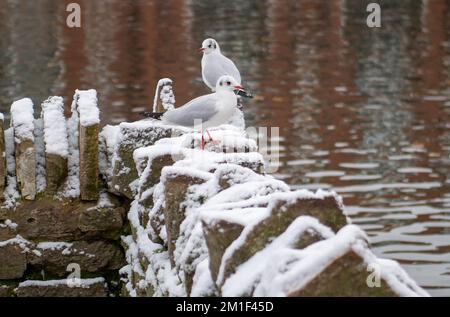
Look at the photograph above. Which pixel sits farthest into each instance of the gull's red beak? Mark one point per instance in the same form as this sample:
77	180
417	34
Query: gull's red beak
201	49
238	87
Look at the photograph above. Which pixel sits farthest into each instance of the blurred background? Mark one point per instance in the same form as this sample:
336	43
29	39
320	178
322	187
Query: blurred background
363	111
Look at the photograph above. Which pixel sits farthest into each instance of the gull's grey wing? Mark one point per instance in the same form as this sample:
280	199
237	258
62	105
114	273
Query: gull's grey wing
201	108
216	66
231	69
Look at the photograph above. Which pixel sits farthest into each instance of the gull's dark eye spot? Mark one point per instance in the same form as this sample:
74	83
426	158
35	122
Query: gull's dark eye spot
228	83
209	45
220	83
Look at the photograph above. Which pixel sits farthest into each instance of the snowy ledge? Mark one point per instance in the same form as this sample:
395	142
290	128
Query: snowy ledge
83	283
55	127
86	101
208	223
22	119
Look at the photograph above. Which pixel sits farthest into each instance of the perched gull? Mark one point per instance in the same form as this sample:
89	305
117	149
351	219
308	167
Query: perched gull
215	65
210	110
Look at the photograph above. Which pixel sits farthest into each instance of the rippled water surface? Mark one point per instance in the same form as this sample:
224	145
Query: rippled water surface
365	112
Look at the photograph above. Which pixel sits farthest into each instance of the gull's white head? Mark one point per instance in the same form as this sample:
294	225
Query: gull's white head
209	46
228	83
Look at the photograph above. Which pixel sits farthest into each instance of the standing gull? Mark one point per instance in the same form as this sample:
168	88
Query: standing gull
215	65
211	110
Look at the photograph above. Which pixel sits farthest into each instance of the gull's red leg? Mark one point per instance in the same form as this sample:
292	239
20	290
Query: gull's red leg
210	138
203	142
209	135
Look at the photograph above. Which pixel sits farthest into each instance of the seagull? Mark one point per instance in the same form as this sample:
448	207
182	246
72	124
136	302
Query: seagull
215	64
210	110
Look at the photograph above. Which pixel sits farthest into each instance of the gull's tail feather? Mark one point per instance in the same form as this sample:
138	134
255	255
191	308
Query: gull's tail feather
154	115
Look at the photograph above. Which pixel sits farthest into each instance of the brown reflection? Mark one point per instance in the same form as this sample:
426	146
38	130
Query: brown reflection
430	65
123	48
276	108
335	83
73	54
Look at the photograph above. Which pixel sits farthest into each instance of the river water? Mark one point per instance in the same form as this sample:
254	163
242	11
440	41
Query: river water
365	112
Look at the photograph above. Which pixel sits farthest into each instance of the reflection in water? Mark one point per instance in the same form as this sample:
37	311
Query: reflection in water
362	111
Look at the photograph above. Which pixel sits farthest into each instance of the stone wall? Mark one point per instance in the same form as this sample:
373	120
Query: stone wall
139	210
209	223
60	229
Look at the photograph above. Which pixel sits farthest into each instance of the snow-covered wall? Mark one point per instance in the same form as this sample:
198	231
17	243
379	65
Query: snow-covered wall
171	219
209	223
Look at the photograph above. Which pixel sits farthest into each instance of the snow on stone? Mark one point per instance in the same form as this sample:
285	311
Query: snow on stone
41	181
131	256
250	273
292	197
54	245
230	139
104	200
8	224
72	185
236	174
159	273
165	94
55	128
86	101
279	269
190	248
203	285
242	216
275	199
83	283
107	148
18	240
22	119
250	189
228	192
11	193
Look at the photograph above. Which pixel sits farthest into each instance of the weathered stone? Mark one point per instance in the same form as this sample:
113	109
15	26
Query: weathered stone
13	261
107	144
133	136
327	210
231	174
7	230
174	210
219	235
56	143
7	290
51	220
60	288
152	178
147	181
307	238
2	156
92	256
22	121
56	172
101	219
345	277
26	168
164	98
157	222
89	169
